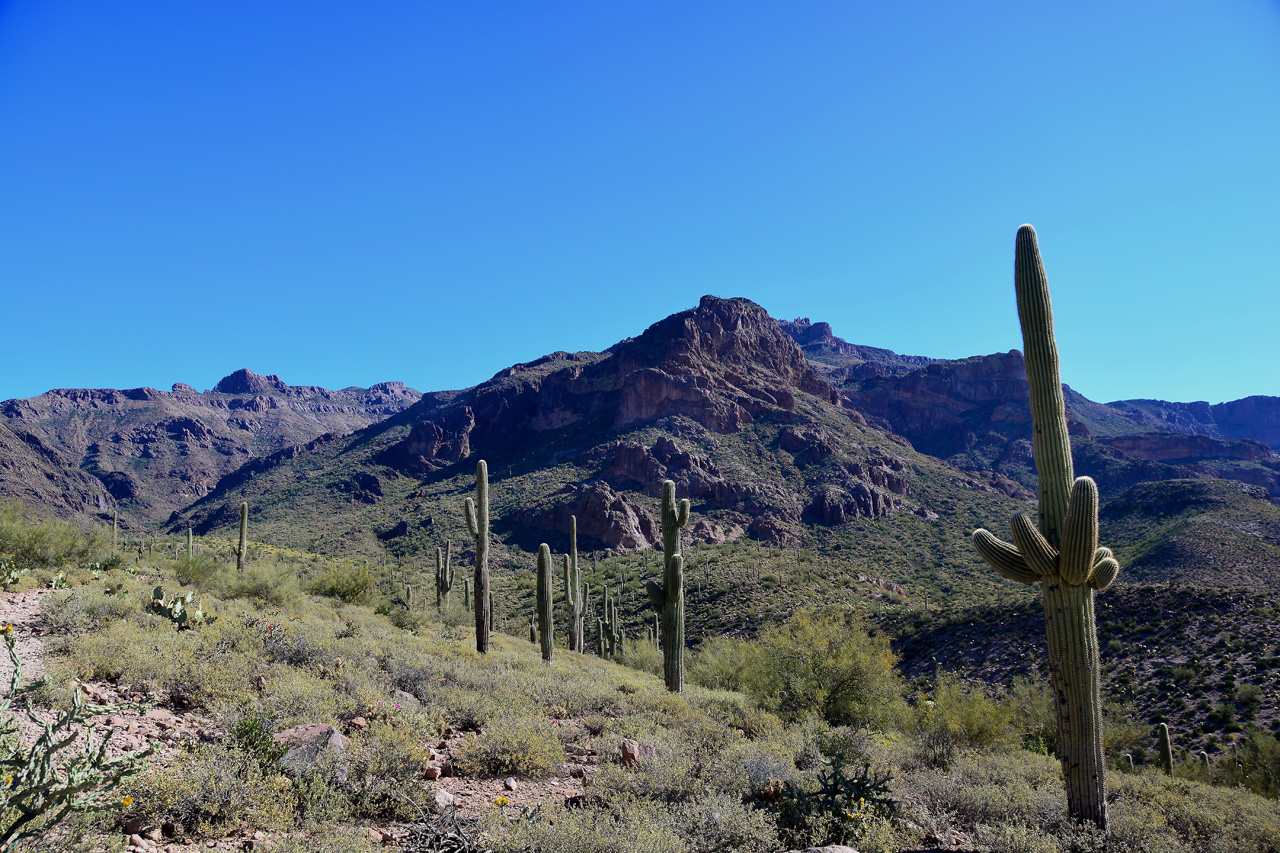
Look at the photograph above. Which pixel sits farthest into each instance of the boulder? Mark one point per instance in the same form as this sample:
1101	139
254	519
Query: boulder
309	743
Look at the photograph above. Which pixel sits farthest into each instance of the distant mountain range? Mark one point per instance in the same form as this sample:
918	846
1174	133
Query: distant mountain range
153	452
780	432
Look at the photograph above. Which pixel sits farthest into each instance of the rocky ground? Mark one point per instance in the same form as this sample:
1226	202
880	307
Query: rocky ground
136	721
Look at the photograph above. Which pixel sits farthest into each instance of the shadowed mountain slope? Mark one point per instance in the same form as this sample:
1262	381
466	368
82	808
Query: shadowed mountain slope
156	451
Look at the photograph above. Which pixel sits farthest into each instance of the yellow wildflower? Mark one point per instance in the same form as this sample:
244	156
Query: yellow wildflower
126	802
502	801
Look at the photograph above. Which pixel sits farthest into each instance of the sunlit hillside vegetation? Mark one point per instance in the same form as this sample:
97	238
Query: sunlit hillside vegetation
813	699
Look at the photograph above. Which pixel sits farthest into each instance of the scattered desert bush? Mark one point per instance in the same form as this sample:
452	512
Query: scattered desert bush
511	744
32	542
817	664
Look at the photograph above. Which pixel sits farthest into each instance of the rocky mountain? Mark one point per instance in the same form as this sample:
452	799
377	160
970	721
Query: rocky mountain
717	398
974	413
880	465
40	476
153	452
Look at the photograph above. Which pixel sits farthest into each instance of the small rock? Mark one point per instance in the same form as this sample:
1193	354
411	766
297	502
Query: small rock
443	800
509	783
632	751
407	700
578	772
359	723
432	770
138	841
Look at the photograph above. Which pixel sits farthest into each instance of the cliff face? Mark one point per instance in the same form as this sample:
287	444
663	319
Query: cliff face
40	476
154	452
717	398
724	365
1254	418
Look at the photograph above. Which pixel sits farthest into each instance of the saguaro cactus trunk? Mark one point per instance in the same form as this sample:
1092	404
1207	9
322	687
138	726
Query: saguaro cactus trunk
668	598
573	588
1060	549
1166	750
444	574
546	628
191	546
477	513
242	549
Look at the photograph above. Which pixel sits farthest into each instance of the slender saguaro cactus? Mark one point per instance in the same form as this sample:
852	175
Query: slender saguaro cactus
546	628
115	531
1059	549
408	597
1166	750
242	550
444	573
466	594
191	546
573	588
533	631
477	512
668	598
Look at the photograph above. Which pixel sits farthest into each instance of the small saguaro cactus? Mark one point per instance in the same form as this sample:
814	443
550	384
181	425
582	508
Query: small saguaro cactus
408	597
444	574
668	598
477	512
1166	750
573	588
466	594
191	546
242	549
1059	549
115	531
546	629
533	631
611	627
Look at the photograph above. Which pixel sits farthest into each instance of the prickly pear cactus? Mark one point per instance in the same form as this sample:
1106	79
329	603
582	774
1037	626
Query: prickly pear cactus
477	513
668	597
1059	549
178	610
546	629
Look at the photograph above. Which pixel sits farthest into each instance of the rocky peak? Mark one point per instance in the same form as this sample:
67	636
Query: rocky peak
245	381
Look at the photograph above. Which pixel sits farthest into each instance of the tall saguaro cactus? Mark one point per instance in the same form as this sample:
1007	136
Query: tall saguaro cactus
242	548
477	512
668	598
191	546
546	629
1059	549
573	588
444	573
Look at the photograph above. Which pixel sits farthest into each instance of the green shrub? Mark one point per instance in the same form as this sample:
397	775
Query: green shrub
511	744
818	665
724	663
385	759
958	715
32	542
214	787
347	582
637	828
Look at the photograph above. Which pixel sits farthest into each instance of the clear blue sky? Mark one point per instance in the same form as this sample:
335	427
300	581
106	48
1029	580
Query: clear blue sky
344	193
